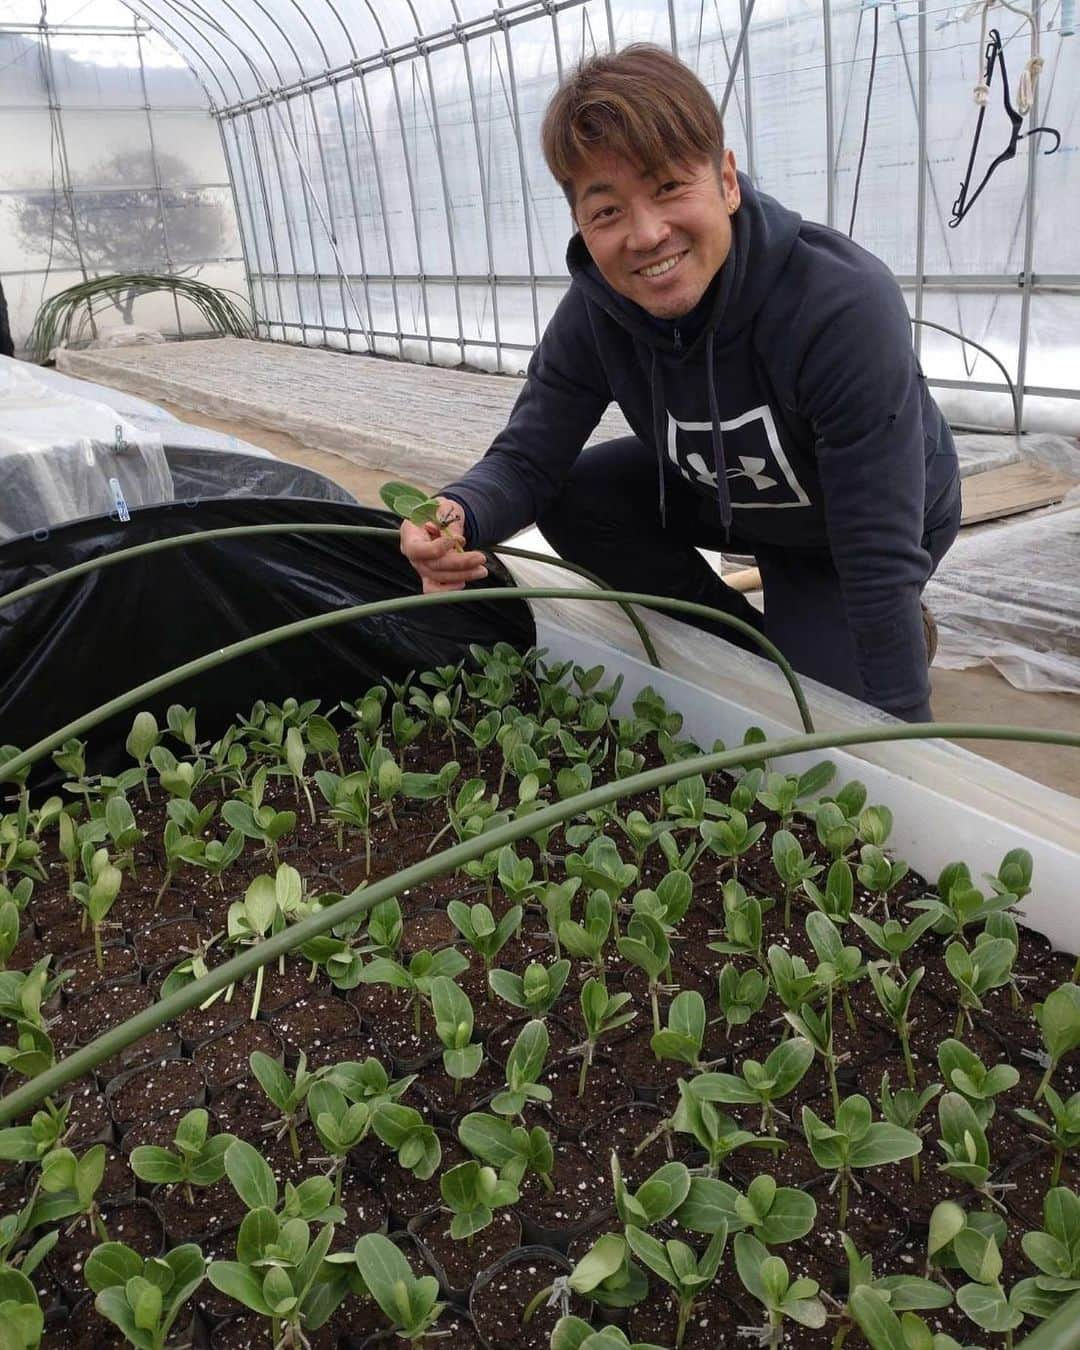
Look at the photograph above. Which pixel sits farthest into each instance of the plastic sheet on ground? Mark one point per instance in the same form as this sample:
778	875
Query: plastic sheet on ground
64	458
1009	596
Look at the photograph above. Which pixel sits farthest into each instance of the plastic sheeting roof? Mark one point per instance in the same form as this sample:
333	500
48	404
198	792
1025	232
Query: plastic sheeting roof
244	49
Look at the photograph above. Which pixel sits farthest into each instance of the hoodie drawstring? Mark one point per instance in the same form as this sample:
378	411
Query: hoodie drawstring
659	410
723	491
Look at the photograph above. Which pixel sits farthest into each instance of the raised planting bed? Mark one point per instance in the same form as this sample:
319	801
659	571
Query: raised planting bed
706	1064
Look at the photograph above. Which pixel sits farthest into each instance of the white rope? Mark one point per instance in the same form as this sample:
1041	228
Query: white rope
1024	95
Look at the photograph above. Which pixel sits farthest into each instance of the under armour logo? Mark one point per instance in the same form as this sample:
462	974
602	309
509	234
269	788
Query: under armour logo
750	468
771	481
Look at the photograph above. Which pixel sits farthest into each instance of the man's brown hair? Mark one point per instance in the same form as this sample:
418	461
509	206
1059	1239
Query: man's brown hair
641	104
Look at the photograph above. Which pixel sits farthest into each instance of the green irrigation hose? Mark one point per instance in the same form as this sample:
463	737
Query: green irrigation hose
81	725
421	873
239	531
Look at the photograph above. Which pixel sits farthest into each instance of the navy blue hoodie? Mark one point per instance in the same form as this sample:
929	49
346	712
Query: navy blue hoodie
795	402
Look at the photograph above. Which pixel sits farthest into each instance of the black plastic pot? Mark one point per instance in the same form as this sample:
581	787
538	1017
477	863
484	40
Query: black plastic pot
272	1046
450	1325
418	1227
196	1098
164	1043
88	955
524	1255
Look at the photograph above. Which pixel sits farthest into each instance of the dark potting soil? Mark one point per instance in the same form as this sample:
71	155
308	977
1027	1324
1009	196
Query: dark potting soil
462	1261
118	963
312	1020
209	1210
224	1058
158	1045
888	1220
604	1089
136	1224
164	1089
582	1190
498	1304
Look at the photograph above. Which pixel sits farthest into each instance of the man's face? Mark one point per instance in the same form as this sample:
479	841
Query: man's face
659	239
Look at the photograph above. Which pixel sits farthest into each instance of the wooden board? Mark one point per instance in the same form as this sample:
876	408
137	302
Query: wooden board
1009	490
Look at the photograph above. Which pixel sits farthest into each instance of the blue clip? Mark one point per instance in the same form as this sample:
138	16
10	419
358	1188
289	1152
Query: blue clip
119	501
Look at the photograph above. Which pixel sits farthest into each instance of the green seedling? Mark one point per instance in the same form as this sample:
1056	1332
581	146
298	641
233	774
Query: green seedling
1013	874
477	925
838	896
453	1015
883	1330
415	978
1058	1017
903	1108
655	1200
536	992
839	966
289	1095
792	866
512	1150
742	924
853	1142
282	1274
679	1266
1054	1251
878	874
349	799
605	1275
901	1293
557	899
960	905
765	1277
986	966
143	1298
123	831
376	1268
587	940
20	1312
602	1014
984	1300
963	1142
785	793
835	831
524	1065
893	938
1061	1132
68	1187
895	1000
97	892
774	1214
198	1159
792	979
817	1028
601	868
178	778
684	1035
964	1072
413	1140
472	1193
741	995
256	821
758	1084
646	946
668	903
574	1333
30	1143
732	838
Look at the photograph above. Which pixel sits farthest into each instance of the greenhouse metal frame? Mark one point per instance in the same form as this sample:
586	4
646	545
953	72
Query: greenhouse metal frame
384	165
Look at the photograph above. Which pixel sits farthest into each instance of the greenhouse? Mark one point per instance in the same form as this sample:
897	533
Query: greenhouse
540	714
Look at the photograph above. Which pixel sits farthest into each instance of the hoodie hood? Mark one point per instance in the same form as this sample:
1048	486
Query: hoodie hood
763	234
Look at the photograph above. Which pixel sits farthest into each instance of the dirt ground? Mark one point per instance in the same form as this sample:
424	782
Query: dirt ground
977	695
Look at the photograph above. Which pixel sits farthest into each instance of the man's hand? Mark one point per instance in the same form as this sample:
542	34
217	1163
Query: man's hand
438	555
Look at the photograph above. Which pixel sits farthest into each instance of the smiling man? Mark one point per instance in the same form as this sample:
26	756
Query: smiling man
765	366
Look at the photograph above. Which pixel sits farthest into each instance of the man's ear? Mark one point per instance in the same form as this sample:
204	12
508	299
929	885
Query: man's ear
729	183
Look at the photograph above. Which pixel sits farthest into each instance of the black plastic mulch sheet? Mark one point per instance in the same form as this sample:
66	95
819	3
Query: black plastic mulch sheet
74	647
